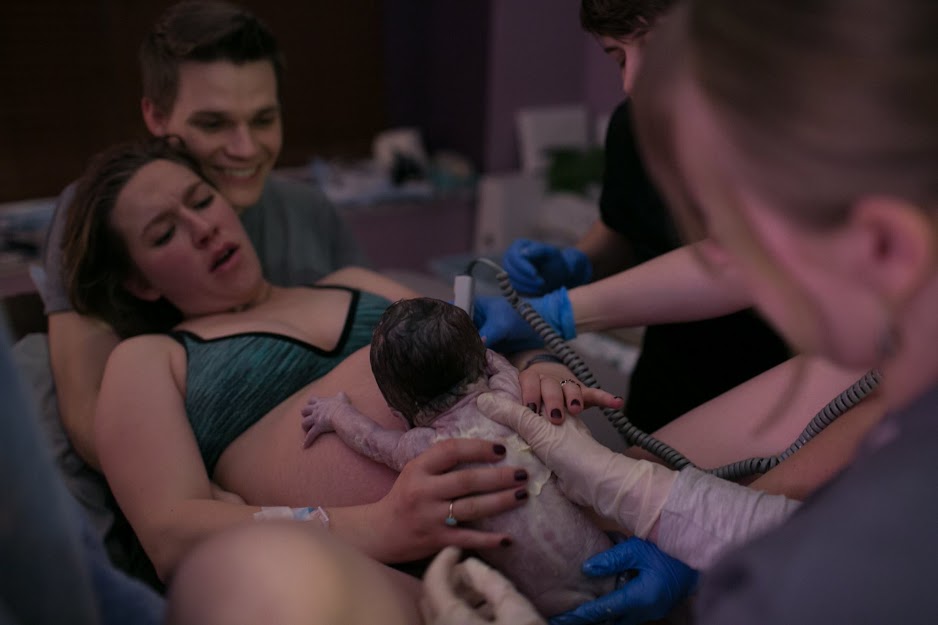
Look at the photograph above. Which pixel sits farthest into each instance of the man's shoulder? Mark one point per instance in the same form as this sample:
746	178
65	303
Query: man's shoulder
291	194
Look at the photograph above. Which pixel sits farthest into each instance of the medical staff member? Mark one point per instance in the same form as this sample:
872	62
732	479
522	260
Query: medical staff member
55	569
806	138
691	352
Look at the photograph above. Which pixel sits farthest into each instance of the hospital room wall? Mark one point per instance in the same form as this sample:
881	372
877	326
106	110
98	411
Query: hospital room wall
461	70
69	82
457	70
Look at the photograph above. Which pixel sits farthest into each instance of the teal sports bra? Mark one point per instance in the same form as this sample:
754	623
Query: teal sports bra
233	381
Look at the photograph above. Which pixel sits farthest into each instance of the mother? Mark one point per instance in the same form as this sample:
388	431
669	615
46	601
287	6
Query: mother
151	245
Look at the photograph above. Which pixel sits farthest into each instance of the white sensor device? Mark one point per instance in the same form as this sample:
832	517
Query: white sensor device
464	292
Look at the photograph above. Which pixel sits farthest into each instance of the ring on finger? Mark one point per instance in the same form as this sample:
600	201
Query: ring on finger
562	382
450	520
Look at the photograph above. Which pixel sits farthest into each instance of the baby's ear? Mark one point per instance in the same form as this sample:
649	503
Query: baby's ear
402	418
490	368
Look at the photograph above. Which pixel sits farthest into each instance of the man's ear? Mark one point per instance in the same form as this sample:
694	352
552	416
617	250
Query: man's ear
898	245
153	117
139	287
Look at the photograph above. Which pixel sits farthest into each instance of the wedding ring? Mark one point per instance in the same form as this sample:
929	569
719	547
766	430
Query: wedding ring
562	382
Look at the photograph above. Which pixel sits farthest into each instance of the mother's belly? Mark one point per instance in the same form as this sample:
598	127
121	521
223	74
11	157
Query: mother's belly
267	465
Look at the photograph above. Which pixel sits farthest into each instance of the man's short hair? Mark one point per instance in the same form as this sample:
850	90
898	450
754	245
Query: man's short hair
621	19
202	31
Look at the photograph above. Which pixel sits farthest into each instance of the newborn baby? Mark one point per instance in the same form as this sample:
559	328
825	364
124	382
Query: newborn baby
431	365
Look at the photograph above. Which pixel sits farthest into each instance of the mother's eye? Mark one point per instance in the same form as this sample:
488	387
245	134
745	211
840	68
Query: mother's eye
164	238
204	203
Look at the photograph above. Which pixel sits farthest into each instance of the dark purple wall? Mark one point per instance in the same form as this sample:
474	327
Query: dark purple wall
460	70
435	63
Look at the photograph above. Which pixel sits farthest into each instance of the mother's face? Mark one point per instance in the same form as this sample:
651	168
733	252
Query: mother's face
185	241
803	280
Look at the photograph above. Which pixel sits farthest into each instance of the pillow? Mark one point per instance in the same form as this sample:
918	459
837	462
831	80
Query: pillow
31	357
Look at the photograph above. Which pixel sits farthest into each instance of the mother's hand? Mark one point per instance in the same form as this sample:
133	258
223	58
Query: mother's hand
413	515
553	386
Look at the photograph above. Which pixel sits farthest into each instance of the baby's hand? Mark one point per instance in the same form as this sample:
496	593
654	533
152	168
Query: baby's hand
318	414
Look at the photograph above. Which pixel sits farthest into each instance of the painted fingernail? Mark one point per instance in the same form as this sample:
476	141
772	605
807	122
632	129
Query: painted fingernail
521	494
505	542
575	402
499	449
521	475
555	414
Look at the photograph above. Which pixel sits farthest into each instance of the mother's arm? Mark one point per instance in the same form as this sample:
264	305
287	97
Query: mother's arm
368	280
149	454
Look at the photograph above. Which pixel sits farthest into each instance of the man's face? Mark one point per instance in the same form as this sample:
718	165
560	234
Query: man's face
627	54
229	117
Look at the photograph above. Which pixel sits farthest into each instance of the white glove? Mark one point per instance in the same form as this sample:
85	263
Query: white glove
628	491
451	589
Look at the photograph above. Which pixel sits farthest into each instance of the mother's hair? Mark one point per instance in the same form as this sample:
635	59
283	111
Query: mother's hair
96	263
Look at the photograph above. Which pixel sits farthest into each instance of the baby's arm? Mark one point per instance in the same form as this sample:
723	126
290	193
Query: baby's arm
502	375
391	448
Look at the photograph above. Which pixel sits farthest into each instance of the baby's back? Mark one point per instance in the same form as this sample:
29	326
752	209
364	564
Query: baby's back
551	536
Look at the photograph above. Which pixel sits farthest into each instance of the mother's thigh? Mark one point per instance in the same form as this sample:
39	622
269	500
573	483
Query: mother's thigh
289	573
760	417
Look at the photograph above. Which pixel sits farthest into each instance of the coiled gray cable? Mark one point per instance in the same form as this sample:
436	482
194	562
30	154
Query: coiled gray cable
634	436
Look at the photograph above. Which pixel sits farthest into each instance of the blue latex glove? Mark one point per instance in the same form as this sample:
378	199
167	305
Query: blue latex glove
504	330
660	584
536	268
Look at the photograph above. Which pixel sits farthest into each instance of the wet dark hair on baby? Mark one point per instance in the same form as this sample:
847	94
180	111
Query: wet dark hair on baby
424	354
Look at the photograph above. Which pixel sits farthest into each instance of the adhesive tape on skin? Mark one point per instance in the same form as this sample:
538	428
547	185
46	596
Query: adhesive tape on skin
309	513
273	512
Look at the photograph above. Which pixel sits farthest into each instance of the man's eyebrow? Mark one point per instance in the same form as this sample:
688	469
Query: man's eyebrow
207	113
266	110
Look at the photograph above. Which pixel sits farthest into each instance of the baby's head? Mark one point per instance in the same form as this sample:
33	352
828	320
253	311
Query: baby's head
424	354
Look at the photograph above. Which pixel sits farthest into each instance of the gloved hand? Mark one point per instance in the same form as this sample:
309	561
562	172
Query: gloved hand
451	589
628	491
536	268
504	330
660	584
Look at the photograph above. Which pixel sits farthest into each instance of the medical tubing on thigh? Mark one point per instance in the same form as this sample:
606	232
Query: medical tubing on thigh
634	436
846	400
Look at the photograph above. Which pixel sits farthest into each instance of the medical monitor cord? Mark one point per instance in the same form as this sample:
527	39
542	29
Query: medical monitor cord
632	435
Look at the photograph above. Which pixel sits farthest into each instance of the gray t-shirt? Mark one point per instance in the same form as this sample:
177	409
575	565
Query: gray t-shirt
296	230
861	550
